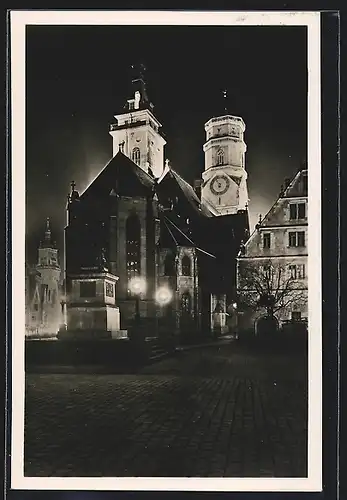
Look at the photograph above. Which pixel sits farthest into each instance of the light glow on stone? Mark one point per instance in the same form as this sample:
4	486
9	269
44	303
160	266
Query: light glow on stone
163	295
137	285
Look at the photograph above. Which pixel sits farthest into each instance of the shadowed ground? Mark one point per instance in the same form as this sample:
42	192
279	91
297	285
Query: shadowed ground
210	412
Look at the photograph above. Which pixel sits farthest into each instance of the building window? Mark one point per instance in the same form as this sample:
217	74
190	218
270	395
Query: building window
266	240
133	246
297	239
109	289
169	265
186	303
297	271
186	266
220	157
87	289
296	315
131	105
36	307
136	156
266	271
297	211
292	271
300	271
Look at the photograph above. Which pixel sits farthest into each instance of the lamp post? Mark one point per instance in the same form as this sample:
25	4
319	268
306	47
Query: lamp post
163	296
137	287
63	319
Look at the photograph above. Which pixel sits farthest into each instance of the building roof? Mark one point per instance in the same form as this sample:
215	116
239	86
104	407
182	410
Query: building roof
121	176
295	188
172	235
47	242
187	191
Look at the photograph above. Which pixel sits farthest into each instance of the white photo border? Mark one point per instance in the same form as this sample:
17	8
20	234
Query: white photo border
18	22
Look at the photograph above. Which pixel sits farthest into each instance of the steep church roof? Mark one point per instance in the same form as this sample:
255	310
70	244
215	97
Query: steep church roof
165	185
120	176
172	235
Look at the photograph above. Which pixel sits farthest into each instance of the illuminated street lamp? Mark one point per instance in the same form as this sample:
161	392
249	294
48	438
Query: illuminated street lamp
137	287
163	296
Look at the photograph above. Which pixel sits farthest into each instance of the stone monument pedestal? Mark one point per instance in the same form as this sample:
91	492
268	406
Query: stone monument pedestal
91	308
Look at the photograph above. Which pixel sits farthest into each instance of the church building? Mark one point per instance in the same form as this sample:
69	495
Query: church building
140	219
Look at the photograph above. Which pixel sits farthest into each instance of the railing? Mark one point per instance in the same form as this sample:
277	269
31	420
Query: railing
115	126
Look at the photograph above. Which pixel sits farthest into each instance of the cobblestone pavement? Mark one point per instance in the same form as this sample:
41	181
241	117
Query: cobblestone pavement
205	413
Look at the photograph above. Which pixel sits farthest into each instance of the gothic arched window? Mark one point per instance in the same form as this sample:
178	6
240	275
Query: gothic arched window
169	265
133	246
220	157
136	156
186	266
186	303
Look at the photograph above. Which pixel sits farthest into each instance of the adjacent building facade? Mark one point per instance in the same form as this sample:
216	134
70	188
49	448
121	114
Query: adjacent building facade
272	264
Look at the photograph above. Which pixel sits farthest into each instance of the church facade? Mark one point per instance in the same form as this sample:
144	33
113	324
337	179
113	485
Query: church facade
140	219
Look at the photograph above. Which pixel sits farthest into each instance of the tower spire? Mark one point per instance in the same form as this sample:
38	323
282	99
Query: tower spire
225	101
48	231
47	242
139	98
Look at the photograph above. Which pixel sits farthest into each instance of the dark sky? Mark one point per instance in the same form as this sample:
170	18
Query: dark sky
78	78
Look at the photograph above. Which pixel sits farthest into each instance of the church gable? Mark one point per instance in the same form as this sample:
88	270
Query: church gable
173	191
121	176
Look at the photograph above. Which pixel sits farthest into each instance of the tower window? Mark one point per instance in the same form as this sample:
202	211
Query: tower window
186	266
186	303
133	246
220	157
136	156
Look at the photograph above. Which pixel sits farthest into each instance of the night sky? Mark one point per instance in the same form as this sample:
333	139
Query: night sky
79	77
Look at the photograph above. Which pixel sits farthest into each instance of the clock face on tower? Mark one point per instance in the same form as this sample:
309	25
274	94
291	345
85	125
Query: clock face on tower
220	184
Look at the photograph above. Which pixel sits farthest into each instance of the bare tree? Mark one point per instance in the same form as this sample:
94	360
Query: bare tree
271	285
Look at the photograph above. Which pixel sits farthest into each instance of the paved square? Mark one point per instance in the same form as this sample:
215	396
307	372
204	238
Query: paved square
213	412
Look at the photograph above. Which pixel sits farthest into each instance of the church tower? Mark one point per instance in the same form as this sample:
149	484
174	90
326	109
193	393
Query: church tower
49	283
136	131
224	188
